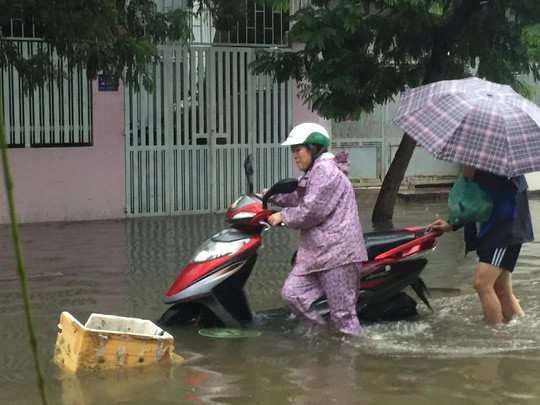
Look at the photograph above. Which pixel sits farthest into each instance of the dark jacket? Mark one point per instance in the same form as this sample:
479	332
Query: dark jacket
510	220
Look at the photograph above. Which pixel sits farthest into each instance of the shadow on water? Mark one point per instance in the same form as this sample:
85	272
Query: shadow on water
125	267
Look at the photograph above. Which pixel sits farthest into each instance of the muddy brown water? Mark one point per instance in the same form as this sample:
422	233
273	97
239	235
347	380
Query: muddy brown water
125	267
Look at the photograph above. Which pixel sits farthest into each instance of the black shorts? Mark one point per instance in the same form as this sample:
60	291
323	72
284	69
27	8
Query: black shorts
505	257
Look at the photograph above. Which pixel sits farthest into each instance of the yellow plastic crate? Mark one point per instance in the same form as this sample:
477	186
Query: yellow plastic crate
111	342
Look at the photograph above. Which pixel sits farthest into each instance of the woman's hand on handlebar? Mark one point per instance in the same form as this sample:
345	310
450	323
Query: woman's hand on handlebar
275	219
439	225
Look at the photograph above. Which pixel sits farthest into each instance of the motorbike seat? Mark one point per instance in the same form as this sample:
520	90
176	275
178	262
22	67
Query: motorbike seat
379	242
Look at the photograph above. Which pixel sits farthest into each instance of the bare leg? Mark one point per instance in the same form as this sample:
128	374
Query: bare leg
509	304
484	282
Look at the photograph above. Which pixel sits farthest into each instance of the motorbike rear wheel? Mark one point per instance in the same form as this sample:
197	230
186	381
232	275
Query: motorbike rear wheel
397	307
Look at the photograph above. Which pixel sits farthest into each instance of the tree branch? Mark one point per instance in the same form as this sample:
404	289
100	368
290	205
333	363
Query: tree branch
445	36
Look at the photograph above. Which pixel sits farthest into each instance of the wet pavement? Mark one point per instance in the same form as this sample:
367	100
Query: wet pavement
124	268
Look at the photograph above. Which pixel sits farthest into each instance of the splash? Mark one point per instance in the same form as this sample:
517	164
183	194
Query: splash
455	329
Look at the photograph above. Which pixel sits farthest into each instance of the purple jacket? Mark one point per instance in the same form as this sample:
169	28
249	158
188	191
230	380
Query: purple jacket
323	208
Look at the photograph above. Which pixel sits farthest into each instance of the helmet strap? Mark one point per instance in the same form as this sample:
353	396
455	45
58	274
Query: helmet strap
316	151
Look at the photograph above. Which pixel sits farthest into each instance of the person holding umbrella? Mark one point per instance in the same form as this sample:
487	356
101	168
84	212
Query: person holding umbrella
494	133
497	242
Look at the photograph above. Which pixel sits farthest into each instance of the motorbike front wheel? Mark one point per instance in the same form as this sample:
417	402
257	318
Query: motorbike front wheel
179	314
187	313
207	319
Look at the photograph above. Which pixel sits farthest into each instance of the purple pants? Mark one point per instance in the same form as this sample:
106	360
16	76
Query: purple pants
339	285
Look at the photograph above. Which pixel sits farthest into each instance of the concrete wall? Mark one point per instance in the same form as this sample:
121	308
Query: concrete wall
533	180
74	183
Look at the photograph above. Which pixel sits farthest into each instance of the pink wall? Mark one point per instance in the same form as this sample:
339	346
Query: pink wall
76	183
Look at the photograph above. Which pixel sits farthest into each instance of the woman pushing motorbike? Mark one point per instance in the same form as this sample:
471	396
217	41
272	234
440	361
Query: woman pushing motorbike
331	246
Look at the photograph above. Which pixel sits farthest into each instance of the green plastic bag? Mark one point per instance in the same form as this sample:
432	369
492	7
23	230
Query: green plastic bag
467	202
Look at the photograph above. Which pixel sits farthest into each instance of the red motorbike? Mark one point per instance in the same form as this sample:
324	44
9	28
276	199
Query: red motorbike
209	290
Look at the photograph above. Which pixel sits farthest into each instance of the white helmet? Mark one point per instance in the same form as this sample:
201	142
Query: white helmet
308	133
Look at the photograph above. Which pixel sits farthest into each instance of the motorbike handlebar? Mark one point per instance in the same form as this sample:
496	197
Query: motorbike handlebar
266	225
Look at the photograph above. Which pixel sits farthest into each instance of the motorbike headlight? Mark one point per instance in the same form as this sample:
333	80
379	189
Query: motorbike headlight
211	249
243	215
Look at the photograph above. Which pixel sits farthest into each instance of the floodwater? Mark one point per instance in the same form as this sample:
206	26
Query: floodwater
125	267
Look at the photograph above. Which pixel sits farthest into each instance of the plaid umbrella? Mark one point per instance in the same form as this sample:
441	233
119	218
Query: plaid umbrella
474	122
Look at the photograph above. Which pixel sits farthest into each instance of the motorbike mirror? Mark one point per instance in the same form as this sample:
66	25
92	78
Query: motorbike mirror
284	186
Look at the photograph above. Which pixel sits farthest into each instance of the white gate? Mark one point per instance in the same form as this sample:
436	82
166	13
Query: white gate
186	141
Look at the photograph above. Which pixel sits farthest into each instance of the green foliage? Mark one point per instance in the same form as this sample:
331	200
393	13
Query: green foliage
117	37
531	38
276	5
358	53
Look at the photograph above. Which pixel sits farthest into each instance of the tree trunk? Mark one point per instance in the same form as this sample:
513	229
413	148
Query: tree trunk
386	200
443	38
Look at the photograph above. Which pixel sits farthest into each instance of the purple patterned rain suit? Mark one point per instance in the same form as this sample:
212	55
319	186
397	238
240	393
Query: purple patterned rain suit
331	247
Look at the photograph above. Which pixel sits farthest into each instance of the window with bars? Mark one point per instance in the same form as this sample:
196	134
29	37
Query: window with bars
19	28
262	26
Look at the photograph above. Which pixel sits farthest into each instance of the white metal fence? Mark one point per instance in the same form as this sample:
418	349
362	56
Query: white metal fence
56	114
187	140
